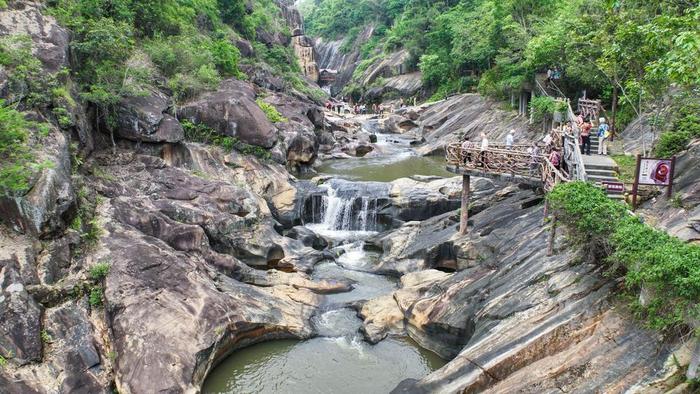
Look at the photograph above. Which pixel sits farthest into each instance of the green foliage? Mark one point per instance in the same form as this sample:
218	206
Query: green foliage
3	4
46	337
17	164
542	108
99	271
587	208
665	266
270	111
3	361
684	128
202	133
96	296
671	143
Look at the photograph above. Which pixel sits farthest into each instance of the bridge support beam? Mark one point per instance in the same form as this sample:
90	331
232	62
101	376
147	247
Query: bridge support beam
552	236
464	216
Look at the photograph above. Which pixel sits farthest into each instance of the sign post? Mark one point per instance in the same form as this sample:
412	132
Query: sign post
653	172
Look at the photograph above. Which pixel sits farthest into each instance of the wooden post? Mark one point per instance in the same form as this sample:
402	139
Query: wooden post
635	185
464	217
670	177
552	235
546	211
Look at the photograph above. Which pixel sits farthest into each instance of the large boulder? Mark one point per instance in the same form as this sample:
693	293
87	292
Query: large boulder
144	118
231	110
20	317
50	40
47	205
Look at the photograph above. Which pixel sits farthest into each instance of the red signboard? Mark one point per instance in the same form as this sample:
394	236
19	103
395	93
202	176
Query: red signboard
655	172
614	187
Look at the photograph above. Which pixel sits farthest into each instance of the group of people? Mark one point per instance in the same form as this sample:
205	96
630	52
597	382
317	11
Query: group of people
357	109
603	133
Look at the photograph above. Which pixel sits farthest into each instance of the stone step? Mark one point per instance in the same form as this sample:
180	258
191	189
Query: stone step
604	167
599	172
599	178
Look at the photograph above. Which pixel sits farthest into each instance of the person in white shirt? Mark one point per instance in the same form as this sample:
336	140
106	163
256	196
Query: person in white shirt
510	139
466	153
484	147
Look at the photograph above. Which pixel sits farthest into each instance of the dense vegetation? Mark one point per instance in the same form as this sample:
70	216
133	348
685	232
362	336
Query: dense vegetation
626	52
667	268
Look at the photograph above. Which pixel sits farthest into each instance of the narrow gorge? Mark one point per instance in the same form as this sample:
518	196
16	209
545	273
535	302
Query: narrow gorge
241	197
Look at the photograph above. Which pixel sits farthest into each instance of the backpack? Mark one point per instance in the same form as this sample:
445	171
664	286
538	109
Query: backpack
555	159
604	130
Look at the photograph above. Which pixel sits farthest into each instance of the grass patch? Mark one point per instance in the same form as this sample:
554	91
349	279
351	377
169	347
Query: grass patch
270	111
95	297
99	271
627	165
204	134
17	163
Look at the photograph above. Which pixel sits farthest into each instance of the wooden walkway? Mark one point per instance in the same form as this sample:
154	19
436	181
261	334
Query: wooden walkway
498	162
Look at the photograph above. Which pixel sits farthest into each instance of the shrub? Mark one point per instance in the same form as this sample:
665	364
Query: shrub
95	297
662	264
270	111
542	108
17	164
99	271
671	143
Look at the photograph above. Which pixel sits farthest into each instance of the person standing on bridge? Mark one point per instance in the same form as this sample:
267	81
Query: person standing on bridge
603	135
586	137
510	139
466	152
534	152
484	147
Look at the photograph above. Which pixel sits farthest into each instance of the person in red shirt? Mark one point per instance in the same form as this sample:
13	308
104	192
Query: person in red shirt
586	137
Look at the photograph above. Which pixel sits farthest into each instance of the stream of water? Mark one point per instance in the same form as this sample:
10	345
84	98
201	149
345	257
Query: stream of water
392	159
339	360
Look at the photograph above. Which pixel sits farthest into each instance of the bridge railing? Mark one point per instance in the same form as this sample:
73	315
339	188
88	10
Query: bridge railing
494	160
509	162
572	150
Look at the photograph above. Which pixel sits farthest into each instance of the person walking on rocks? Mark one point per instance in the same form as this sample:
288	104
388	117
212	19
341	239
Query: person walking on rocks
603	135
510	139
483	148
586	137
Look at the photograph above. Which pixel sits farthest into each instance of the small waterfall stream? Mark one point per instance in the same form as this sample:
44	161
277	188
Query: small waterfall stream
338	360
347	211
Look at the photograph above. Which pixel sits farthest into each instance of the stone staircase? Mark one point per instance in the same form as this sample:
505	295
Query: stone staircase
602	169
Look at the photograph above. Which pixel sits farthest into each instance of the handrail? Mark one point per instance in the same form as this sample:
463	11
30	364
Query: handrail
506	162
575	163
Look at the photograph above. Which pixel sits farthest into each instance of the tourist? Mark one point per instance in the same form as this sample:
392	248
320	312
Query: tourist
603	135
534	152
483	148
547	141
555	158
586	137
510	139
466	151
579	120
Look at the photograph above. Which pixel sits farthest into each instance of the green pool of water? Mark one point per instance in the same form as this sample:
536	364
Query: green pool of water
385	168
321	365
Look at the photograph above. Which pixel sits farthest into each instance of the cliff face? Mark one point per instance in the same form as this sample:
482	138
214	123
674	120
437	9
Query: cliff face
303	46
172	221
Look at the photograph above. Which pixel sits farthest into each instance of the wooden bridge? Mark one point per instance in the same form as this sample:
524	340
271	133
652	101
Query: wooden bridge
518	164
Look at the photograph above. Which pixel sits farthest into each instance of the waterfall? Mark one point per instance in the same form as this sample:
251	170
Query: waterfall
343	210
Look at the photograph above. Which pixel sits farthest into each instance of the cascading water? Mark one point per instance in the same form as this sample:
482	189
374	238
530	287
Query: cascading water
343	212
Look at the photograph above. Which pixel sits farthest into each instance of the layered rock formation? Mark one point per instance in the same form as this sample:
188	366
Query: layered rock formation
303	45
511	318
